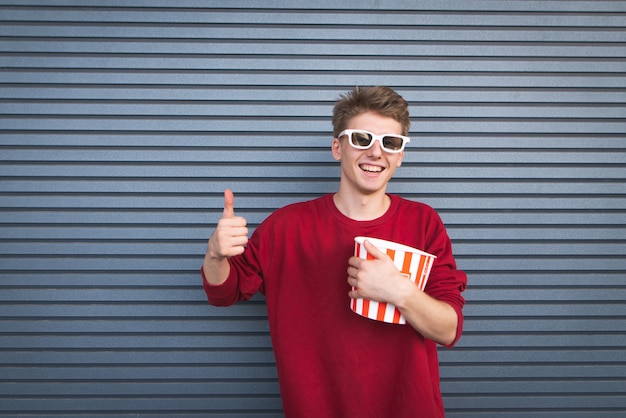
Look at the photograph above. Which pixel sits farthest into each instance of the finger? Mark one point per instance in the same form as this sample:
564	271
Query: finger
354	262
352	281
229	204
374	251
234	222
238	244
227	234
352	272
233	251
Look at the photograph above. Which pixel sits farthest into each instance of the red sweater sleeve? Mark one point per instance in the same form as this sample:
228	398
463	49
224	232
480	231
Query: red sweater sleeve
224	294
246	273
445	282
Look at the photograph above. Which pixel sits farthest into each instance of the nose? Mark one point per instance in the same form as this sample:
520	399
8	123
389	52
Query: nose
375	150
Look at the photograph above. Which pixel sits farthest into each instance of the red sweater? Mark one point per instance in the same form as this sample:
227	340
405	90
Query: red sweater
332	362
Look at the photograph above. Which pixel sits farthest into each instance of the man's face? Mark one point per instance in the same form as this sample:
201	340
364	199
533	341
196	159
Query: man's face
368	171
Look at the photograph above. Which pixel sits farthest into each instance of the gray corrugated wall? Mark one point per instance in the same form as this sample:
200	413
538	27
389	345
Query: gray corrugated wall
122	122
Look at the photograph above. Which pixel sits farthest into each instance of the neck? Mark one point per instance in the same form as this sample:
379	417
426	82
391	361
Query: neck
362	207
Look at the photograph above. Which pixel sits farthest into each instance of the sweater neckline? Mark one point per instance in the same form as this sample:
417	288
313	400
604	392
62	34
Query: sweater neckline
336	213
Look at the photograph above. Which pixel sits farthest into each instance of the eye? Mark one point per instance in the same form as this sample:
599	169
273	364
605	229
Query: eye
393	142
361	139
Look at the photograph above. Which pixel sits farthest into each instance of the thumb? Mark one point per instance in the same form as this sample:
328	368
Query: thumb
229	204
374	251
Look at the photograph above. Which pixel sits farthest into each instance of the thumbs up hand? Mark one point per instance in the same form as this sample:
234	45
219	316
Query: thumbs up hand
231	234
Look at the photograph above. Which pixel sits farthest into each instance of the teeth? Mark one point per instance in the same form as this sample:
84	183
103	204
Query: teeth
371	168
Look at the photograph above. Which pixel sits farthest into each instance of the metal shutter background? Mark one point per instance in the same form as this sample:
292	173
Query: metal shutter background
122	122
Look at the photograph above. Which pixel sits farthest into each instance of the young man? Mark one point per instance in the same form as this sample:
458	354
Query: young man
332	362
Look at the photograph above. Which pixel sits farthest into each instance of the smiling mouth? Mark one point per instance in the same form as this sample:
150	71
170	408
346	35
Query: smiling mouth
371	168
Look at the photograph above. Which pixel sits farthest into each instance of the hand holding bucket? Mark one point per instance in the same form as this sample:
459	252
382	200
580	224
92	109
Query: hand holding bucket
413	263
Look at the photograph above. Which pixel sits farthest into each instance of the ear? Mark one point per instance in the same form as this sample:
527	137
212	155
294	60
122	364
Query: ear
399	162
336	149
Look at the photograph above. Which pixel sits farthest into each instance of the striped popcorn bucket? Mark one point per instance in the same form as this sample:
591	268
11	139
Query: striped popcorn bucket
413	263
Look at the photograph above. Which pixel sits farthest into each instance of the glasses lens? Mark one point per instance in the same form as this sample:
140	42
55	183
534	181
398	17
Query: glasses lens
392	142
361	139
